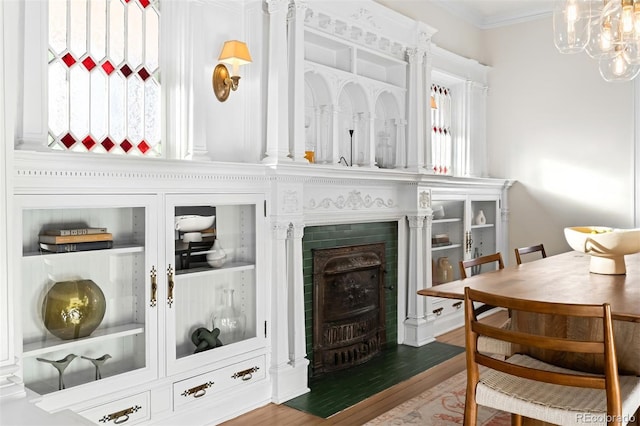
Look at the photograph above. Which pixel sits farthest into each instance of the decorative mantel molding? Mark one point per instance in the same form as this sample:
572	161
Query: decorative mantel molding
354	201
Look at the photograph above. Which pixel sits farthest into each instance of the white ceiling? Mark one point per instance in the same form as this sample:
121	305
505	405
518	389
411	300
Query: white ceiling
486	14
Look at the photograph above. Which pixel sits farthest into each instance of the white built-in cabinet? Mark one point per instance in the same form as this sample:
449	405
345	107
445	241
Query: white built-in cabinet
158	290
355	94
470	224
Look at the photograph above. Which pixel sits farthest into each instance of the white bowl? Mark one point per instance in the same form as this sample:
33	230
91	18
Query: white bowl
607	246
192	237
193	223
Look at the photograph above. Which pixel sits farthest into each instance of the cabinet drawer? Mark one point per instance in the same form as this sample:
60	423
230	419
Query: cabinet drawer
443	307
208	384
131	410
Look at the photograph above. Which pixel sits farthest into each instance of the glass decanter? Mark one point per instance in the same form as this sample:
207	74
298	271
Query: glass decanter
229	319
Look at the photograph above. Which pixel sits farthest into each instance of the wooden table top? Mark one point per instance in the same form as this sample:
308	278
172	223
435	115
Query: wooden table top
560	278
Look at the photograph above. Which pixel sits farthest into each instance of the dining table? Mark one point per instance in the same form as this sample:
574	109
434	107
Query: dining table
565	278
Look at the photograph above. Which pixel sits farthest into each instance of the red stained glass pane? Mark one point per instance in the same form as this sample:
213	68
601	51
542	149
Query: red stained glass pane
143	147
107	67
126	145
126	71
88	143
88	63
108	144
144	74
144	3
69	59
68	140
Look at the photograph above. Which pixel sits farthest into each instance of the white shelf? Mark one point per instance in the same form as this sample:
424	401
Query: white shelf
449	247
54	344
208	270
487	225
451	220
117	249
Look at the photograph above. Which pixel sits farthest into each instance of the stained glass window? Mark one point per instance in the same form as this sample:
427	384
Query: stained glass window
441	140
104	85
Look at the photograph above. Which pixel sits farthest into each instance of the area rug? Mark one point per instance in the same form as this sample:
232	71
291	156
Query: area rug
442	405
334	392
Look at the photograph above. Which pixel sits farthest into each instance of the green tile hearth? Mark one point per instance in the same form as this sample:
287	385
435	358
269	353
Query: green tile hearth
333	392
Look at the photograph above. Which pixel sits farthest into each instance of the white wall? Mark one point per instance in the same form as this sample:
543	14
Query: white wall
554	125
562	132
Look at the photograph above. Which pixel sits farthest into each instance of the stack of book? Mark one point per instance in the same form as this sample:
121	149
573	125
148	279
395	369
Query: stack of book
77	239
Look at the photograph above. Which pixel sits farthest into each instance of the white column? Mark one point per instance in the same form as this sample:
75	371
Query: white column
401	144
10	383
416	327
297	341
277	149
296	75
335	138
415	111
427	125
371	160
280	341
288	364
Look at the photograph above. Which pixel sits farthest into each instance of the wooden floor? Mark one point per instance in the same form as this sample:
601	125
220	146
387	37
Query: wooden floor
281	415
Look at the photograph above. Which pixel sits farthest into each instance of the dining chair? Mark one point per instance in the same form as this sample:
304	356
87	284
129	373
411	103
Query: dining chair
527	387
531	249
488	345
477	261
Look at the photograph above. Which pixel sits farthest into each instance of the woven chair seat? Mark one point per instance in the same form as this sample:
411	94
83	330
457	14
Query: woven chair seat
489	345
561	405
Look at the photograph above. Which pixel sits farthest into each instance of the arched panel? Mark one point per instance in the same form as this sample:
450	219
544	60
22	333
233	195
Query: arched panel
318	117
354	125
389	146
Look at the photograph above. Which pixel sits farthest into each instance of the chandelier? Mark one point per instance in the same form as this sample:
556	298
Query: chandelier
608	30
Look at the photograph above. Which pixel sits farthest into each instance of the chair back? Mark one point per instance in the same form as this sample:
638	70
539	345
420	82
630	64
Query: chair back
605	346
531	249
495	257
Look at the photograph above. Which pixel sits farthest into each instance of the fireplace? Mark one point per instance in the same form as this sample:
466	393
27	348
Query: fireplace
349	305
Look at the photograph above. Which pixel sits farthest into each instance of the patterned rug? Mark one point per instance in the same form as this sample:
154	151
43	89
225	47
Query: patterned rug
442	405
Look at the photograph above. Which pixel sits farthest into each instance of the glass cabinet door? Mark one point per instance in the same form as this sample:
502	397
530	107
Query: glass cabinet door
448	239
86	293
483	227
212	271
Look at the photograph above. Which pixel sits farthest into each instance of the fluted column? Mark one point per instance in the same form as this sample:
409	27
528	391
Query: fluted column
295	20
371	159
277	149
416	327
427	125
415	112
297	342
289	367
401	144
279	298
335	137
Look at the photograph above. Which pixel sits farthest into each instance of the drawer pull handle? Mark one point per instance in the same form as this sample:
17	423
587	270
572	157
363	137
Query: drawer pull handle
120	417
457	305
245	374
438	311
198	391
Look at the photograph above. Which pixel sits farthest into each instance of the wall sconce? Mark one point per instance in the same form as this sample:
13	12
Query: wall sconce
234	53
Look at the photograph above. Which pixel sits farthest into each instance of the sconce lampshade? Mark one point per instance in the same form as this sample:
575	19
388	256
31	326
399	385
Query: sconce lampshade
433	103
235	53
